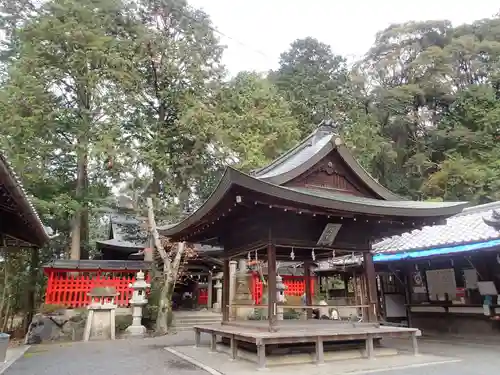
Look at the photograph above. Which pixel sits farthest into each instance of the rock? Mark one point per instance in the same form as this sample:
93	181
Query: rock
55	327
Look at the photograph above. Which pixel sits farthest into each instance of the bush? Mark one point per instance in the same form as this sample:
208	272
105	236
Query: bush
122	322
52	309
291	315
256	315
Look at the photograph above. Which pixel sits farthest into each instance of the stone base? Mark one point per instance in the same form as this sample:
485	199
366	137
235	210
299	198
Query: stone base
135	331
336	363
216	307
242	313
100	323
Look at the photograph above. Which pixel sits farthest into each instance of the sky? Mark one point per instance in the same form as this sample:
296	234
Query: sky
257	31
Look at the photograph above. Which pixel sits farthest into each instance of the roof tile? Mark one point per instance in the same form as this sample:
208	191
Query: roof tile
466	227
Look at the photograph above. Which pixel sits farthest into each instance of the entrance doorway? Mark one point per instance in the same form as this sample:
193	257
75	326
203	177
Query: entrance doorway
392	297
185	294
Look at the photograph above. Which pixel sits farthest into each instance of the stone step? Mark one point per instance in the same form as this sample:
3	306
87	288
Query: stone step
196	322
180	326
183	329
196	318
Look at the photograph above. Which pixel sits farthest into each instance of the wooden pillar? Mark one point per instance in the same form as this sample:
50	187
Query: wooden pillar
371	285
31	292
345	277
225	291
408	288
307	277
271	288
209	290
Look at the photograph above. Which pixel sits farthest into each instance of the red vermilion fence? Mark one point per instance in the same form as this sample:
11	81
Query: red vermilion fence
64	288
203	296
296	286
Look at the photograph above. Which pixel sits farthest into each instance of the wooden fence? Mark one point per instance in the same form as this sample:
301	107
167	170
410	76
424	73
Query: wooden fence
70	290
295	286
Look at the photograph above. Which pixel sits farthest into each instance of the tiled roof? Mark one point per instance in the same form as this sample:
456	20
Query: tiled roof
98	264
126	233
34	214
463	228
296	156
339	262
467	227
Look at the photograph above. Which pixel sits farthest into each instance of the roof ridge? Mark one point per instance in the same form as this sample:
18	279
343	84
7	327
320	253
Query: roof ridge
28	197
479	208
325	125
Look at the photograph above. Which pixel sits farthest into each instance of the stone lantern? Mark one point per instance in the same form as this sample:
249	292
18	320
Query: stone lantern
138	300
218	296
280	296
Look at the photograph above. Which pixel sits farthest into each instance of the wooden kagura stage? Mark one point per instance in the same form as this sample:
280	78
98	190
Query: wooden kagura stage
314	202
320	333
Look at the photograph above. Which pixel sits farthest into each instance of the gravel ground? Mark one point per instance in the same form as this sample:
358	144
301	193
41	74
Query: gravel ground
120	357
133	357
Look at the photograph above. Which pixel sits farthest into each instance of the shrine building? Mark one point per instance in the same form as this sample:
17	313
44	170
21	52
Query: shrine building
314	202
441	278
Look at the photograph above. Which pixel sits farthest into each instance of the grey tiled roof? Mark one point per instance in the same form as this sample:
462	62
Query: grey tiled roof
28	198
349	198
296	156
98	264
342	261
466	227
126	233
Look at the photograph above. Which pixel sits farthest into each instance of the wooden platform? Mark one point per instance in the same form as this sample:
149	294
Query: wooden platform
297	332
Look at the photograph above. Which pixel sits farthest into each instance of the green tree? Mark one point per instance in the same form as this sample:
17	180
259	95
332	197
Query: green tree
314	81
61	108
176	65
465	148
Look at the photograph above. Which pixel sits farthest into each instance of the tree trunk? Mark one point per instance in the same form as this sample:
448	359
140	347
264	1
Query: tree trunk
170	273
76	230
165	315
5	283
6	316
31	294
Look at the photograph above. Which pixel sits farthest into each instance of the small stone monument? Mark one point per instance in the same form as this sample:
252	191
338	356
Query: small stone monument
280	296
102	310
137	302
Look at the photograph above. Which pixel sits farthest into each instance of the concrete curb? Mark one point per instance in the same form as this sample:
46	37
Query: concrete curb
194	362
4	366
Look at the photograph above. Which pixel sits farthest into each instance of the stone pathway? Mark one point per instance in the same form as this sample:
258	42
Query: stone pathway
13	354
149	356
120	357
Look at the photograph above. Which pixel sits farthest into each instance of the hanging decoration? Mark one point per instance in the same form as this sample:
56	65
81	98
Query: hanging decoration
333	253
249	256
256	257
292	255
313	255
